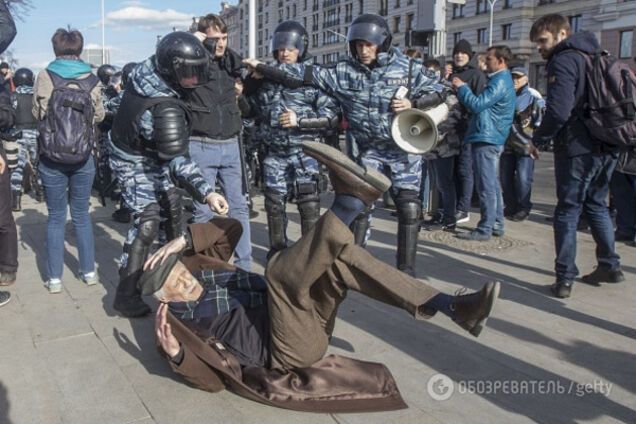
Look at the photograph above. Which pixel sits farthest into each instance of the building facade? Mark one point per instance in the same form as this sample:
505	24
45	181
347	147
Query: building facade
326	21
612	21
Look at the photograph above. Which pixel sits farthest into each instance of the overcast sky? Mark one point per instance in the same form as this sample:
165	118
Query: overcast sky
131	26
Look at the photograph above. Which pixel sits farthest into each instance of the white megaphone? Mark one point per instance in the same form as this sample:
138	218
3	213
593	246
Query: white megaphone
415	131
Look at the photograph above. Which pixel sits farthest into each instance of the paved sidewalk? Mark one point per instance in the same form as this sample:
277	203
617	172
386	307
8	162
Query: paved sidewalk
68	358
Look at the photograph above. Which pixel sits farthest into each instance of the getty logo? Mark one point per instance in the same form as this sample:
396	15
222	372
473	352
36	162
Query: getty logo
440	387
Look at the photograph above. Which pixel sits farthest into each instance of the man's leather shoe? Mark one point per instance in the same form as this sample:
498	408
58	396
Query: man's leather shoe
346	176
603	275
132	307
470	311
562	289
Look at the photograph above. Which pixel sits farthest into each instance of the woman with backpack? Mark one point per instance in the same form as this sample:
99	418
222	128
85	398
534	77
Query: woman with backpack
67	103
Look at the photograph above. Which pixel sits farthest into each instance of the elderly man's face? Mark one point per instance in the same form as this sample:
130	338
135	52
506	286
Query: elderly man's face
519	81
180	286
461	59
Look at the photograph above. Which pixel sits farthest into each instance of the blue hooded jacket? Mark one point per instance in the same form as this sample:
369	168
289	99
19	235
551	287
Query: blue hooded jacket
493	110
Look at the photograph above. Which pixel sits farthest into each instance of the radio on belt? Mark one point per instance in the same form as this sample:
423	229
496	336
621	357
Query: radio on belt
401	93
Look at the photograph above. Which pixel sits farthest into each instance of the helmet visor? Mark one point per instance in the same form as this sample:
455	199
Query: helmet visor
368	32
288	40
191	73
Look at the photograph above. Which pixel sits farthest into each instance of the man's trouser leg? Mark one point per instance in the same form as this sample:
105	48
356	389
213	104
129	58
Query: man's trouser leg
307	282
486	166
581	184
8	233
595	208
465	178
507	167
623	188
523	182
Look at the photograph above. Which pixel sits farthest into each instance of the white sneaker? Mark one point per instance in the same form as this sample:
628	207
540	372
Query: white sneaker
54	285
90	279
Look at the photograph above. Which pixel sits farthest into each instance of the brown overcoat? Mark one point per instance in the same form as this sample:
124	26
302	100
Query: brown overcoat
333	384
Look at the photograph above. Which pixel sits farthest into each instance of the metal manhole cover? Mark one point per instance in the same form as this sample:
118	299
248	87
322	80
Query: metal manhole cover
495	244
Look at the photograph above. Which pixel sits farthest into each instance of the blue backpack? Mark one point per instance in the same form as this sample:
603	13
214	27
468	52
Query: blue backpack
67	133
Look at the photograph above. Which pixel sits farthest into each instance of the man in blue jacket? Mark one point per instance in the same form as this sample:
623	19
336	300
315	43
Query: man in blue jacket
583	166
493	111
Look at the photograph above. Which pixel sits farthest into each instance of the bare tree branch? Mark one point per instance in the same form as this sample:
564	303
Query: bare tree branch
19	8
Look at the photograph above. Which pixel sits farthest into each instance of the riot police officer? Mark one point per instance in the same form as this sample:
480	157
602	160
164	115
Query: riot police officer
365	86
26	126
149	154
285	118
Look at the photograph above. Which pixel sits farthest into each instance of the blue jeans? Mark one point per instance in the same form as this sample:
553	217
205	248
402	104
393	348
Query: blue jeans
486	167
222	161
582	184
464	178
517	174
623	187
63	184
444	170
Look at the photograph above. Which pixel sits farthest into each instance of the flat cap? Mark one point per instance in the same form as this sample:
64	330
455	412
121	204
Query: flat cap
153	279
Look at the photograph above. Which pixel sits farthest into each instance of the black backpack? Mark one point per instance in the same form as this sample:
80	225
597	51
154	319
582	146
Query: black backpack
67	133
609	110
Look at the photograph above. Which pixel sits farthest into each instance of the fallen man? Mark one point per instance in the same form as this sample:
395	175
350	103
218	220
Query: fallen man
265	337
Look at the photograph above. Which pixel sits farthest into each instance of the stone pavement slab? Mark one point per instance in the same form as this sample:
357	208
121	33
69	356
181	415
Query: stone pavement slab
69	358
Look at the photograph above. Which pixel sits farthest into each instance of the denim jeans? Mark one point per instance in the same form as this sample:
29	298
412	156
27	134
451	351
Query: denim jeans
623	187
516	174
486	166
64	184
582	185
444	170
222	160
464	178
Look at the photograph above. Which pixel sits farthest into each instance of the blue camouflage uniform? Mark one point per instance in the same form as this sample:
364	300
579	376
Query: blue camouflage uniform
27	145
143	179
287	171
364	94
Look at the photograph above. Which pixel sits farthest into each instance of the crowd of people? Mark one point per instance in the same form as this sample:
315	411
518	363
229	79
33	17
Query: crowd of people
176	125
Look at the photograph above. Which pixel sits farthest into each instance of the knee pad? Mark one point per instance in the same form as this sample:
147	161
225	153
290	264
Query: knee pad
148	224
274	203
172	208
307	198
408	206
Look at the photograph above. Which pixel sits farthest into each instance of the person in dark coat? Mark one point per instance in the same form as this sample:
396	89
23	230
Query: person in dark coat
8	233
237	329
583	166
466	68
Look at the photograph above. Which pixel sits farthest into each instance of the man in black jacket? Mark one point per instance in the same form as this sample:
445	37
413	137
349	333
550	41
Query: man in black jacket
583	166
466	68
216	124
8	233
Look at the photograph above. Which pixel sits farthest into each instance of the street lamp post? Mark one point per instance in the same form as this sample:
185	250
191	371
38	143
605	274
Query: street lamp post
492	16
251	21
103	36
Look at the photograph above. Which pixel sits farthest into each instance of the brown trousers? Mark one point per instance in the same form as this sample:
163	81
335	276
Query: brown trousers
308	281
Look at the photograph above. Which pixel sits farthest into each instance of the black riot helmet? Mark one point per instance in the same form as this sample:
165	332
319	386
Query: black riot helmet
370	28
291	35
23	76
126	71
104	73
182	61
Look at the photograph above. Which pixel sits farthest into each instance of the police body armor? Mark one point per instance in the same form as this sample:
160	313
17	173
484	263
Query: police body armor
24	118
125	133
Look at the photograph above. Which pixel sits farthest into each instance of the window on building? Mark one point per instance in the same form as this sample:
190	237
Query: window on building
481	36
575	23
360	7
304	4
397	4
507	4
626	44
294	10
458	11
266	17
409	22
396	24
482	7
456	37
384	7
506	31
